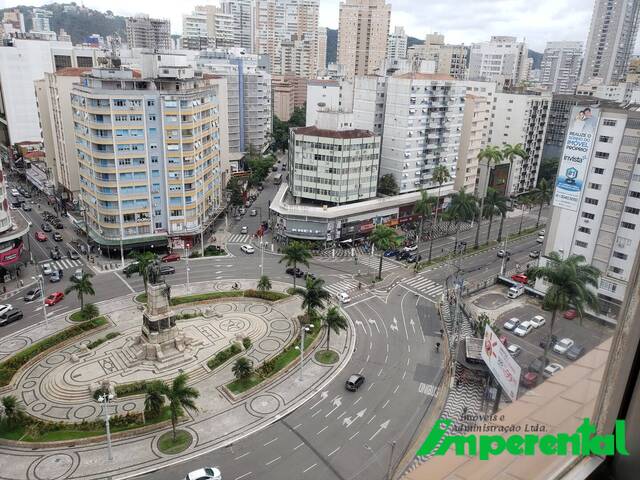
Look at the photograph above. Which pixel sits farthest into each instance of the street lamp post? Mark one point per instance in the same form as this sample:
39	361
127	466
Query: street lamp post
40	281
104	400
302	331
188	270
121	252
261	257
393	447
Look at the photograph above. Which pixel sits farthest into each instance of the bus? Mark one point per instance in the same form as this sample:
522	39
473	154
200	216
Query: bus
277	179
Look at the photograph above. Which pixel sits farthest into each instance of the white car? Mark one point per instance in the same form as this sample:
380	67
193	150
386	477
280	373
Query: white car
244	230
206	473
540	239
563	345
551	369
78	274
411	248
344	297
46	269
537	321
15	192
523	329
514	350
5	308
511	323
247	249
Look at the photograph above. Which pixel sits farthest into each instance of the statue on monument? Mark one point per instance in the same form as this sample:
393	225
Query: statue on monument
153	273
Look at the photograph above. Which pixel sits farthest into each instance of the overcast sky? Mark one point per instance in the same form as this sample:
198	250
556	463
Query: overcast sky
462	21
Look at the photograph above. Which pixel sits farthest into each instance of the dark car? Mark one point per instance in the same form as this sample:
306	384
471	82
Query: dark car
413	258
543	342
57	237
55	254
575	352
25	194
167	270
59	225
309	275
392	252
130	269
538	365
295	271
46	227
9	317
26	207
354	382
403	255
73	255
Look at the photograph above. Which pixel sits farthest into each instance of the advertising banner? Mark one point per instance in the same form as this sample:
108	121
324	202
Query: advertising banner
575	157
502	365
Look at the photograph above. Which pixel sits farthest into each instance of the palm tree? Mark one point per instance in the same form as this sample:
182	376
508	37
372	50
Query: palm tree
142	262
463	208
313	296
264	284
82	286
494	203
510	153
541	196
440	175
296	253
11	408
424	208
384	238
242	368
181	397
569	285
154	399
492	156
333	320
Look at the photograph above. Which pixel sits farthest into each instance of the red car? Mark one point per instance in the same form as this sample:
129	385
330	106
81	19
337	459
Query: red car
520	277
171	257
40	236
54	298
570	314
529	379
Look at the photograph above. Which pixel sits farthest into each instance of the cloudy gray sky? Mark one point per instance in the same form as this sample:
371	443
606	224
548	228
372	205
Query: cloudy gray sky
462	21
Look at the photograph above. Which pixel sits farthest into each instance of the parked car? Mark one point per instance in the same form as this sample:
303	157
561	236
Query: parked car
58	224
413	258
392	252
551	369
504	253
570	314
46	269
309	275
523	329
57	237
170	257
54	298
5	308
534	254
344	297
32	295
516	291
563	346
503	340
552	342
403	255
514	350
25	193
520	277
295	271
511	324
167	270
411	248
130	269
540	239
206	473
72	254
40	236
78	274
529	379
9	317
243	211
56	276
244	230
15	192
575	352
46	227
247	249
538	321
537	365
354	382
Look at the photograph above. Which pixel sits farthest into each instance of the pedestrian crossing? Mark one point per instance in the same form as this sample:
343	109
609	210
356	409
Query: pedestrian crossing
64	264
425	286
238	238
342	286
373	262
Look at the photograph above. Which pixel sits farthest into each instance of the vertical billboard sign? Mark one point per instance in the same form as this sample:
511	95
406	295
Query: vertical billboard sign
572	172
502	365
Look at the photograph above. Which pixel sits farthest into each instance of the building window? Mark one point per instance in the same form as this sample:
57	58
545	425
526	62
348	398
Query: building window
621	256
584	230
630	226
609	286
599	171
634	194
609	123
595	186
634	211
590	216
151	103
591	201
617	270
605	139
602	155
582	244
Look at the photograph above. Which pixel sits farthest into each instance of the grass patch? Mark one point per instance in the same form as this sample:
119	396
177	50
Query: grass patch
223	355
242	385
201	297
142	298
10	366
167	445
327	357
100	341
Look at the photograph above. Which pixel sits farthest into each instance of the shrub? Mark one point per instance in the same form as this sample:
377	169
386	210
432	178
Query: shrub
100	341
224	355
267	368
112	335
133	388
266	295
99	393
200	297
195	255
246	343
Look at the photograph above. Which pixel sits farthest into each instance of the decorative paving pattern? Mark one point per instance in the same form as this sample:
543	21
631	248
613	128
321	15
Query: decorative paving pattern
54	467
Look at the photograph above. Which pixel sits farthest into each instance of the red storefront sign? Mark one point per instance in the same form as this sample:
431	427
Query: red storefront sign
11	256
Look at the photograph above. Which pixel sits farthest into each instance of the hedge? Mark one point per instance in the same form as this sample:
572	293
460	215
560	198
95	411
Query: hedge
200	297
269	295
100	341
133	388
10	366
224	355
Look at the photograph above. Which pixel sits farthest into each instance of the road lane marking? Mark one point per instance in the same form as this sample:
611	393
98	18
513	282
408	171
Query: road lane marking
322	430
353	436
334	451
241	456
361	370
409	348
297	426
380	372
386	403
295	448
245	475
370	345
356	402
396	389
270	442
316	413
408	362
404	374
125	282
371	386
272	461
305	471
368	358
372	418
386	358
342	414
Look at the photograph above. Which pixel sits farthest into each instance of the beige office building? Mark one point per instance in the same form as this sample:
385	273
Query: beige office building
363	34
473	138
146	32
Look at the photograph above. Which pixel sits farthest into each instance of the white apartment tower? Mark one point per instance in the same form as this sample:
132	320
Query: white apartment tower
501	58
448	59
146	32
612	36
422	126
473	138
369	103
397	44
363	33
322	48
241	12
560	67
40	20
207	26
328	95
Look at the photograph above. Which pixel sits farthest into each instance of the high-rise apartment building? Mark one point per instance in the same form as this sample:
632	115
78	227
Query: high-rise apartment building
559	119
207	26
612	36
146	32
560	67
473	138
287	32
148	148
448	59
12	22
397	44
241	12
363	33
332	95
40	20
500	59
422	126
369	103
322	48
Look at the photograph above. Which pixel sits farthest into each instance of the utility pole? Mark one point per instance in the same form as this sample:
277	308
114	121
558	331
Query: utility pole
188	270
302	330
104	400
393	447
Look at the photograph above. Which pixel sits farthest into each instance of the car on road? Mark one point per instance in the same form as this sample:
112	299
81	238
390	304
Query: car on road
529	379
411	248
57	237
570	314
503	253
514	350
551	369
78	274
537	321
295	271
260	188
354	382
511	324
392	252
413	258
32	295
167	270
73	255
403	255
534	254
253	212
40	236
540	239
542	232
55	276
55	254
130	269
58	224
247	249
575	352
9	317
242	211
563	346
543	342
537	365
5	308
26	207
523	329
170	257
244	230
46	269
520	277
46	227
343	297
15	192
54	298
206	473
237	217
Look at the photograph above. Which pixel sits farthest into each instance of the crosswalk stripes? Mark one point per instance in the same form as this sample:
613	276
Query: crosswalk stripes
374	263
341	286
425	286
238	238
64	264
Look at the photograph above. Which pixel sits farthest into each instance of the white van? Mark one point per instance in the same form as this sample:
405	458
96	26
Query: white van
516	291
344	297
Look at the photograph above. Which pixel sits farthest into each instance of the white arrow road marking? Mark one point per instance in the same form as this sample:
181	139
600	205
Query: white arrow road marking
336	402
383	426
347	421
394	325
371	320
323	396
358	322
413	326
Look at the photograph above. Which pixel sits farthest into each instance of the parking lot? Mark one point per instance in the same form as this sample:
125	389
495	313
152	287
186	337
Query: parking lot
494	302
